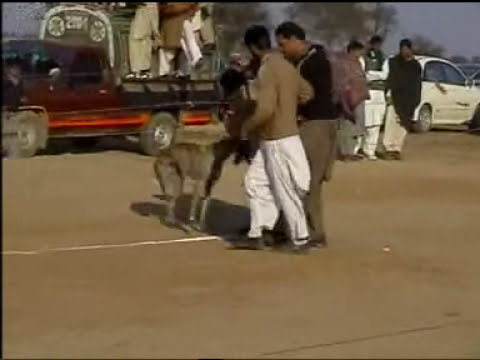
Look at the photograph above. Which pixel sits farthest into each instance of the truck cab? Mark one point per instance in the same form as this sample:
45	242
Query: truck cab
74	85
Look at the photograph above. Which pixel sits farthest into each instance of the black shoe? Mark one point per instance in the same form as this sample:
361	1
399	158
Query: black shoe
318	242
248	243
396	155
388	155
292	248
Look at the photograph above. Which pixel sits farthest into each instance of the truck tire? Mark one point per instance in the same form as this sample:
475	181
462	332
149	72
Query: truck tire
31	134
159	134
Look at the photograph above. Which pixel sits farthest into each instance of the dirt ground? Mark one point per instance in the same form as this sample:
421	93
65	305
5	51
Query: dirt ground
199	299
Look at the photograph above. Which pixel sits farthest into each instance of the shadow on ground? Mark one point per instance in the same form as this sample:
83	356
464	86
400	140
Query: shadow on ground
90	145
222	218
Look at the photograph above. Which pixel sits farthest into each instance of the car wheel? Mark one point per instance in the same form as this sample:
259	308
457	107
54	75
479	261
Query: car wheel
158	135
474	124
424	123
31	133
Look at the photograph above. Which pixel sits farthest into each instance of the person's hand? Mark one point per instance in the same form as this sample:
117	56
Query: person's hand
388	100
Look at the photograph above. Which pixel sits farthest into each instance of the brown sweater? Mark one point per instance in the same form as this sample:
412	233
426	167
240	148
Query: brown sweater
356	84
279	90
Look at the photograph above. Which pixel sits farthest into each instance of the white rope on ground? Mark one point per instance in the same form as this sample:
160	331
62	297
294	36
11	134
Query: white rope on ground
112	246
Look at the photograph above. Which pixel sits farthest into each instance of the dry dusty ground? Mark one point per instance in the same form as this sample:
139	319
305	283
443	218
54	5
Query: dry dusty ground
198	299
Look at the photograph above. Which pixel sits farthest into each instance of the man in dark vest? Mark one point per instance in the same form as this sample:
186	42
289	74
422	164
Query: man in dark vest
374	57
318	119
404	82
376	106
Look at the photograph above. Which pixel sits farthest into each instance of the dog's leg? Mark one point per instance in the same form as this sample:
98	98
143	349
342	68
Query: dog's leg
158	174
197	189
202	224
175	185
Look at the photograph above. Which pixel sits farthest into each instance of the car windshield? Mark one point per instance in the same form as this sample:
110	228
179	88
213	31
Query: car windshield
470	70
38	59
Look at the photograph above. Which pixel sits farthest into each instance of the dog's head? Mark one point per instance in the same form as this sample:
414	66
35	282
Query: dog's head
231	81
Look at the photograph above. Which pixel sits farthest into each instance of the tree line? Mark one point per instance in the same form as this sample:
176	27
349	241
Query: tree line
333	24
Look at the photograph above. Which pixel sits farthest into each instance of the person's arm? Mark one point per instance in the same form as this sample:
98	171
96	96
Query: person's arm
266	100
362	63
379	75
418	84
305	91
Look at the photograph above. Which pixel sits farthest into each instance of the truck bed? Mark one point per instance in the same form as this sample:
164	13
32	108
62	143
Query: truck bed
161	90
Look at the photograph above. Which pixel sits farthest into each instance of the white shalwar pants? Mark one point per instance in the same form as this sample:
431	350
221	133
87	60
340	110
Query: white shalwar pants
375	109
191	51
278	179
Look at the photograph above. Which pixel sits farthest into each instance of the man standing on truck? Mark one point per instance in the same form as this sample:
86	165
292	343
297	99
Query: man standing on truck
177	32
278	177
143	28
318	126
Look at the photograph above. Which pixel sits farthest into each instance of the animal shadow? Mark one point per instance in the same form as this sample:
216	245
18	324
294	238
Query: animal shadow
222	218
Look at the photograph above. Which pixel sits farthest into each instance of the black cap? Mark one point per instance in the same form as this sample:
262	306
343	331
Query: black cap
406	43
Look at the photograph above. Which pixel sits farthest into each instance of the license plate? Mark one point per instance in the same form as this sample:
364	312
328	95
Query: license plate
76	22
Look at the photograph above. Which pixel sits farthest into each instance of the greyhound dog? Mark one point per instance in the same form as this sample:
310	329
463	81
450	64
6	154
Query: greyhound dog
200	155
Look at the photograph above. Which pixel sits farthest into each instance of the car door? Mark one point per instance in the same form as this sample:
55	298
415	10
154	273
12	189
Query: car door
461	95
433	91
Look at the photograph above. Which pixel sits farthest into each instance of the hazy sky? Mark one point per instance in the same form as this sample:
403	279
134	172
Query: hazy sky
456	26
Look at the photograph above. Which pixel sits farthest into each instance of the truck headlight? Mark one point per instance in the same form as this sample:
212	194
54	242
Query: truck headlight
98	31
56	26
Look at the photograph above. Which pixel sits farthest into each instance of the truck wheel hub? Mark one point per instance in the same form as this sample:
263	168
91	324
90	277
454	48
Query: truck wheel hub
162	136
25	137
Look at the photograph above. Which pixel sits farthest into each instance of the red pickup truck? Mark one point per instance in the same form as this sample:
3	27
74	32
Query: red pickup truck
71	91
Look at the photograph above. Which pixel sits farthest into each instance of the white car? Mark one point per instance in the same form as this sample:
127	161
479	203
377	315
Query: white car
448	96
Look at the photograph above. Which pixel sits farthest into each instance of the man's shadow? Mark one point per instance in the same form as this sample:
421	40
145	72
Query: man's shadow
222	218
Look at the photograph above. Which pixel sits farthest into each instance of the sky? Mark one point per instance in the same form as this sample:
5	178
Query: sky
456	26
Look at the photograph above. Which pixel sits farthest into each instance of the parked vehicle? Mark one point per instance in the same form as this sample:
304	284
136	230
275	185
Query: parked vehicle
72	91
448	96
91	24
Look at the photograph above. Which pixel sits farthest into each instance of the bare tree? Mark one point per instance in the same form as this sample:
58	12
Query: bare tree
425	46
232	19
459	59
335	23
384	18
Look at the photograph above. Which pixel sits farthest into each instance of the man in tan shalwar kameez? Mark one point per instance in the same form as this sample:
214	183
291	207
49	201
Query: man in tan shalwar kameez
172	28
143	29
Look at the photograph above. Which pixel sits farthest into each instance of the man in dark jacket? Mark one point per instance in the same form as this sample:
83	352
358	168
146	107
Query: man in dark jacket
318	119
404	82
12	85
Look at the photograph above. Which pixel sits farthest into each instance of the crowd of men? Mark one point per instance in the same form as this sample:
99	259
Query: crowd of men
174	32
309	105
